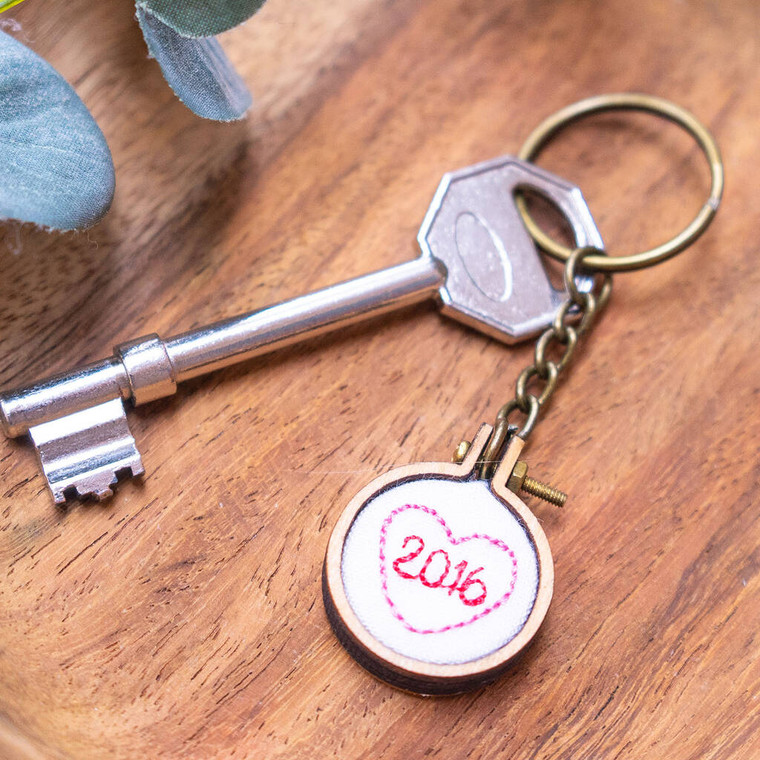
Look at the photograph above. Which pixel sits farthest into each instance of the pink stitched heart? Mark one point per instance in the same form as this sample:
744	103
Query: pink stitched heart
424	571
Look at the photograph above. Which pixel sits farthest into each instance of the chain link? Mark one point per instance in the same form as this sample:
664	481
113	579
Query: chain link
537	382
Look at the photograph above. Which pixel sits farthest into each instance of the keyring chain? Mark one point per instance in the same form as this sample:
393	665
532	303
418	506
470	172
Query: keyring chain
563	332
572	320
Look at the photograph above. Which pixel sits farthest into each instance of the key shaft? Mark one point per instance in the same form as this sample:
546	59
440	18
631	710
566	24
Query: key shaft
150	368
197	352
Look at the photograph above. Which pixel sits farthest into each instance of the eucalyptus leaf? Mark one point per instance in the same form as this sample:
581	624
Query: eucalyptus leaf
55	166
197	70
201	18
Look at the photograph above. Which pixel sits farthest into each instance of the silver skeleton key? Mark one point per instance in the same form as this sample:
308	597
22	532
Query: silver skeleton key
477	260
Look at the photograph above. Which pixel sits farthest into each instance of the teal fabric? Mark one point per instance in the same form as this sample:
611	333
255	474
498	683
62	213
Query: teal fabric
55	166
201	18
197	70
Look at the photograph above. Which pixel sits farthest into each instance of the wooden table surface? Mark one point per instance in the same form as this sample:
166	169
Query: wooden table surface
183	619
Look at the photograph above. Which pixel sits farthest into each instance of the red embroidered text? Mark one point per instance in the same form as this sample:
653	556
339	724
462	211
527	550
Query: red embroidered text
436	572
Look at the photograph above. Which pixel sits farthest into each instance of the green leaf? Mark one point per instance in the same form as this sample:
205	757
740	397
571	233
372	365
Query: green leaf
201	18
55	166
197	70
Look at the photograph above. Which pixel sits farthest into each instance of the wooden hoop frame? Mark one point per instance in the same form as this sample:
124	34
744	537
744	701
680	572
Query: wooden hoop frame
405	672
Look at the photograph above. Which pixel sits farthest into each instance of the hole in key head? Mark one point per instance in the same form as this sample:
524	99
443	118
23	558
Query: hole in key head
554	223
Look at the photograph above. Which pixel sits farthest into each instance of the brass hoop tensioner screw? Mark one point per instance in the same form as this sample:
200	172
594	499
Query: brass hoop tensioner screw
519	480
545	492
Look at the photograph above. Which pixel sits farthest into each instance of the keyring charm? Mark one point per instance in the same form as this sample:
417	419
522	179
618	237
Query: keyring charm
437	576
458	593
548	128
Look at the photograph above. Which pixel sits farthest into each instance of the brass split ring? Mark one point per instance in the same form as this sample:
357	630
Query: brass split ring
548	128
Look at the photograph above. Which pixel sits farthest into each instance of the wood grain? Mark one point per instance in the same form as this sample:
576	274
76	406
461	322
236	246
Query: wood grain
184	619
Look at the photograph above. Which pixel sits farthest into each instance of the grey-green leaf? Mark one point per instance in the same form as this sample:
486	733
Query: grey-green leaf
197	70
201	18
55	166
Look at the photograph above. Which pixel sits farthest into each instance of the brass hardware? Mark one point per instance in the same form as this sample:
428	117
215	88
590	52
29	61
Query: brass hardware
573	319
519	481
461	452
502	431
516	479
628	102
576	314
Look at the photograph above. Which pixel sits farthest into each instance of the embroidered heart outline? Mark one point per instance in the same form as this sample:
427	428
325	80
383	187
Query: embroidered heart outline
454	542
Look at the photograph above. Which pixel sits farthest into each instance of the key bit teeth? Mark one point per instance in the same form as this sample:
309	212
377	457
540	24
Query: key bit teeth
97	485
84	454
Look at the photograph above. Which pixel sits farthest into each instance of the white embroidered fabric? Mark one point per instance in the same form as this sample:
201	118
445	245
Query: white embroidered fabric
440	570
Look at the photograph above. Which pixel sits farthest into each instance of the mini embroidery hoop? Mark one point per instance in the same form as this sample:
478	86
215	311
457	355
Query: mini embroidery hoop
407	673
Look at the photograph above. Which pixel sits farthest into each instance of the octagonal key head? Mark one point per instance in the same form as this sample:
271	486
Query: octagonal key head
495	280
